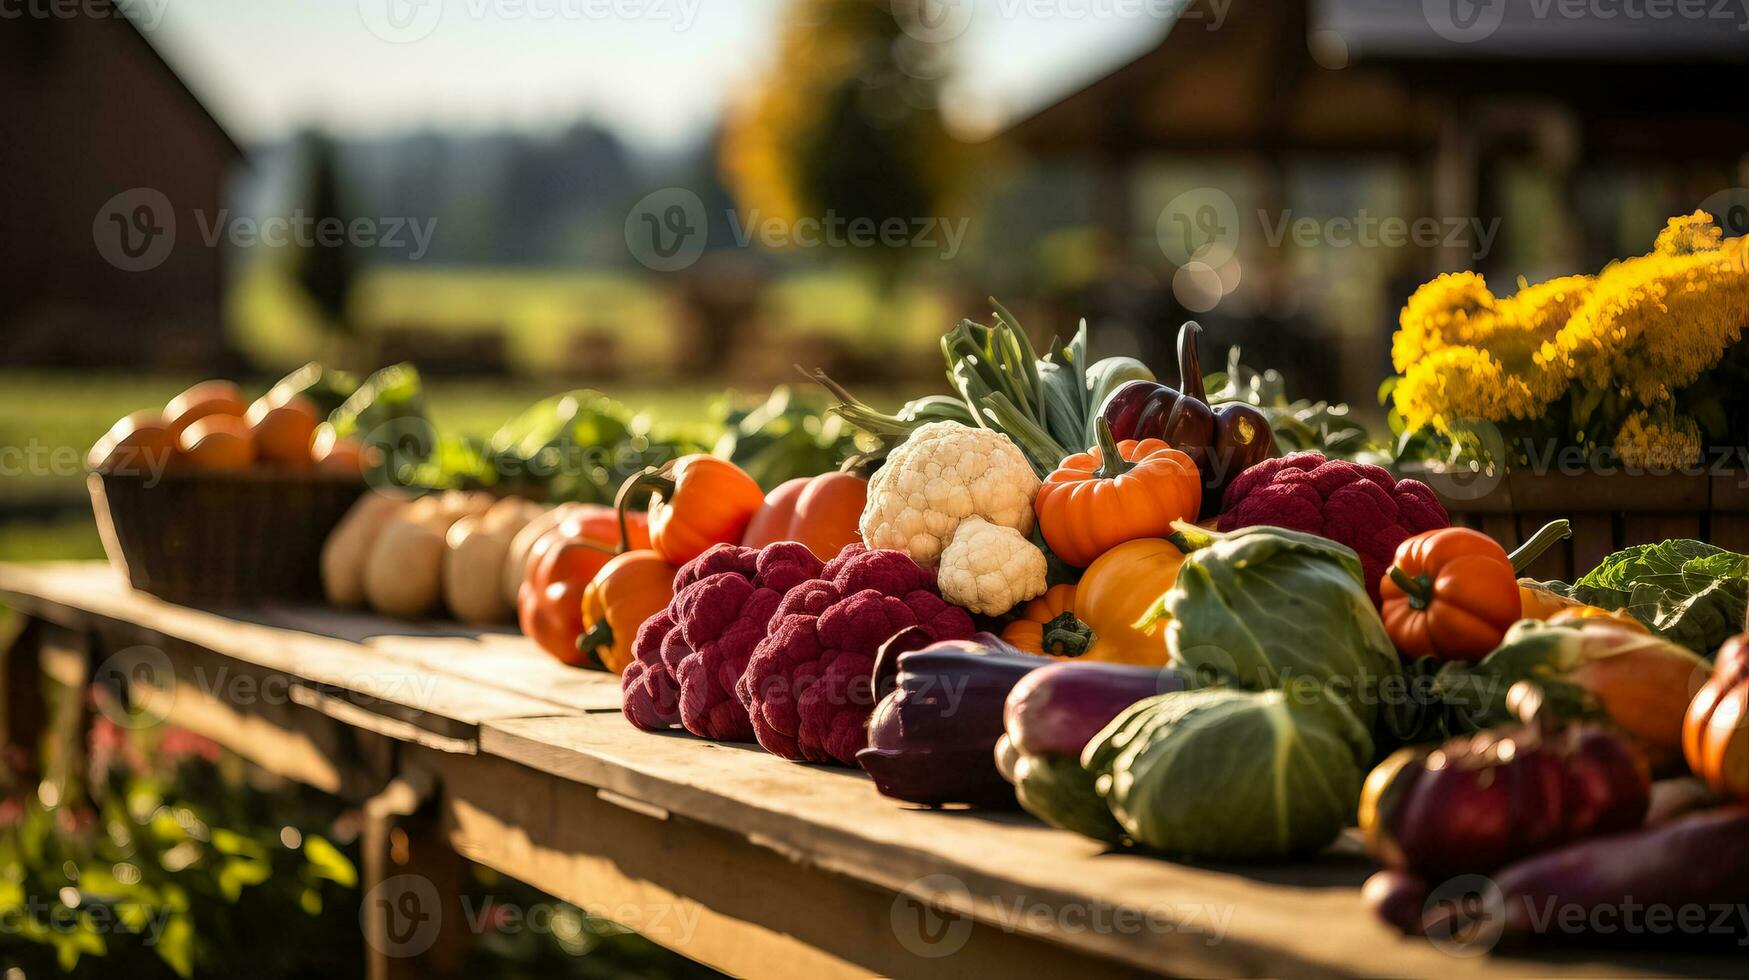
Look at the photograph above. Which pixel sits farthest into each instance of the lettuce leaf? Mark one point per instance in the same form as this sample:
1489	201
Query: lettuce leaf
1686	591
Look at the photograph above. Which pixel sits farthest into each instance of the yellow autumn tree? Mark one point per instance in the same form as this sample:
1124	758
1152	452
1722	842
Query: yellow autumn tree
846	122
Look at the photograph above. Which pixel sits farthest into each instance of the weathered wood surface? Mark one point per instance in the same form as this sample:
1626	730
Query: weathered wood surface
756	865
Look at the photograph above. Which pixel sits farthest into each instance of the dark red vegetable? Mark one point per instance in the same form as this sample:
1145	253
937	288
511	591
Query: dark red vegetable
1481	801
1224	441
1057	710
1681	882
932	736
1357	504
687	658
808	688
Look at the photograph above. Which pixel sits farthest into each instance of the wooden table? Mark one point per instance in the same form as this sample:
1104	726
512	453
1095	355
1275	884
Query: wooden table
473	744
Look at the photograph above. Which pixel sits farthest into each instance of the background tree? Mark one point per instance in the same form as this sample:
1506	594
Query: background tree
847	121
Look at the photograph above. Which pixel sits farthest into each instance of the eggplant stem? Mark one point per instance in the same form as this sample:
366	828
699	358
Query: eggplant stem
1531	550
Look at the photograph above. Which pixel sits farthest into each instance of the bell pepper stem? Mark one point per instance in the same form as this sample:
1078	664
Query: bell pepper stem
654	478
1540	542
1066	636
593	639
1111	462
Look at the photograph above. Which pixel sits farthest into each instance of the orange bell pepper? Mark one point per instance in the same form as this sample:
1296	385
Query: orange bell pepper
1453	592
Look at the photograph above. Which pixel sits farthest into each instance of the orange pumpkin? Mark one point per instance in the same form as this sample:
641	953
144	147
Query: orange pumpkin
1715	732
696	501
1116	592
564	560
1027	633
1116	492
819	511
628	590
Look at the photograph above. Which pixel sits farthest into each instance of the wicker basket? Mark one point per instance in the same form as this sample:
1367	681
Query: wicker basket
220	537
1608	511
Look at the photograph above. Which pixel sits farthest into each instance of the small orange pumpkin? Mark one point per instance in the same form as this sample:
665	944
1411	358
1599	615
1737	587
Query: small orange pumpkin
696	501
819	511
629	589
1027	633
1715	732
1115	492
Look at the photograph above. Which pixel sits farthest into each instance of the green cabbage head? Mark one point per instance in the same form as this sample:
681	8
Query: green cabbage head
1264	606
1228	775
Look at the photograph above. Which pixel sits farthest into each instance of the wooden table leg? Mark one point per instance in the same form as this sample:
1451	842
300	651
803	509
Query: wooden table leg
412	913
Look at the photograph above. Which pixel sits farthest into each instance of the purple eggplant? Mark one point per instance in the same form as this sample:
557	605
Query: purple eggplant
1057	710
1682	880
1485	800
1224	441
932	736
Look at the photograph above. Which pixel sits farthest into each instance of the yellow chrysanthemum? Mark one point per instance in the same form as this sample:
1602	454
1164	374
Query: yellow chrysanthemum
1666	443
1460	383
1455	309
1687	234
1652	325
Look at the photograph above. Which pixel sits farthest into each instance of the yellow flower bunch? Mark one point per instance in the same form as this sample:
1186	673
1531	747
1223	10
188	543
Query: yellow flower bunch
1666	443
1654	324
1643	329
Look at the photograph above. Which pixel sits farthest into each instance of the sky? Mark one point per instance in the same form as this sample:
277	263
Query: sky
656	71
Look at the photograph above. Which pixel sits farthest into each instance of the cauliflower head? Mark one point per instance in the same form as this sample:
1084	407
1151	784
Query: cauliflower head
990	569
944	473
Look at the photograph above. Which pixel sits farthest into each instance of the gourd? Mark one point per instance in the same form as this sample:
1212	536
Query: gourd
1115	493
1120	588
818	511
1715	731
629	589
346	552
695	501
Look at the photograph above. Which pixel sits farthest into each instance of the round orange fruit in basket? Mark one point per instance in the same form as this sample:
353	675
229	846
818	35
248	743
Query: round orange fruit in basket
281	433
217	443
203	399
336	455
137	444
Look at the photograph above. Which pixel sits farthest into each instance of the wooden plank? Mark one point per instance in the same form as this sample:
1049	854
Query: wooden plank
1298	919
367	680
706	893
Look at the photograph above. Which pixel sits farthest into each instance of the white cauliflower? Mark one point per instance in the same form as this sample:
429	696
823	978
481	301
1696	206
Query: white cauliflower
990	569
944	473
